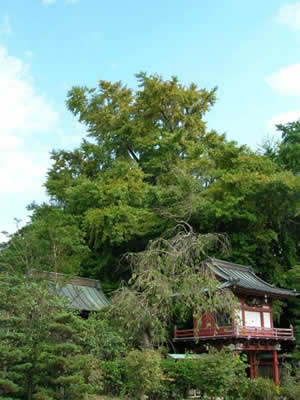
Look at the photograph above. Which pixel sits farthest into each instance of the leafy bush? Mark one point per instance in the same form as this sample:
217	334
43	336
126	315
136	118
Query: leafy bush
262	389
290	388
144	373
103	340
113	377
291	392
215	374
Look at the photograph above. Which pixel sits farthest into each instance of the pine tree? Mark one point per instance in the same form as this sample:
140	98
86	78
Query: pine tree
41	351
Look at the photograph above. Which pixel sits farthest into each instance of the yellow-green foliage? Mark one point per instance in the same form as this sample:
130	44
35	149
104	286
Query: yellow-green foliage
143	373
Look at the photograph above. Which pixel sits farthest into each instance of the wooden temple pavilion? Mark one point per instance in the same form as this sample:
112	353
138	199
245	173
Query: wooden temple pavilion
251	330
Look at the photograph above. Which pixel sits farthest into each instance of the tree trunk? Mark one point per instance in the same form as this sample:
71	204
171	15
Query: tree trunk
29	388
62	392
147	339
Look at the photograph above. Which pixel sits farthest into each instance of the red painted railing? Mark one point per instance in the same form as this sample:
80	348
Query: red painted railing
230	331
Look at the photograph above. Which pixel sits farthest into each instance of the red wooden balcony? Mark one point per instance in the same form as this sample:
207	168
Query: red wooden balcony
234	332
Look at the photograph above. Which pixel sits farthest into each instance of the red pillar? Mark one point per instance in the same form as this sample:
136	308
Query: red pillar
252	361
275	368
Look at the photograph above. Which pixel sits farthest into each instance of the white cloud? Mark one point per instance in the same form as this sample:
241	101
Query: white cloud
25	116
48	2
23	109
9	142
22	172
282	118
5	26
286	80
289	14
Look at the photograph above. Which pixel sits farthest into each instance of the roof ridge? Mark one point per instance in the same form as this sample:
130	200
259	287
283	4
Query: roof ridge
231	264
67	278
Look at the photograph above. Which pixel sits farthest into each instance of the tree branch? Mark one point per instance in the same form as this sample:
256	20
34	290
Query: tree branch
133	155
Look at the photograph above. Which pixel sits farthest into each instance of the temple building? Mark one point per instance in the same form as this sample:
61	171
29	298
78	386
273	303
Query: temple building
250	329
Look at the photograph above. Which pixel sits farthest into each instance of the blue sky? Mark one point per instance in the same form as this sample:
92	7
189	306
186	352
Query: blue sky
250	50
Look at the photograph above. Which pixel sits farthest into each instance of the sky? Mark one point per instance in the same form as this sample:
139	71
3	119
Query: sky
249	50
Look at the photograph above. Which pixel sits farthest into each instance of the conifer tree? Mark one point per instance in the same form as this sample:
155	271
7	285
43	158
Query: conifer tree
41	352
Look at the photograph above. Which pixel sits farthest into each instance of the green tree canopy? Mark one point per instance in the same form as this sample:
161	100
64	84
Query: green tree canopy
149	162
148	157
52	241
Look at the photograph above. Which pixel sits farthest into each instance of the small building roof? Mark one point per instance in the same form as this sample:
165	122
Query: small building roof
83	294
243	278
185	356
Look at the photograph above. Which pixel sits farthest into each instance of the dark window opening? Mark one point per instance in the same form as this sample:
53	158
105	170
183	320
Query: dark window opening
223	319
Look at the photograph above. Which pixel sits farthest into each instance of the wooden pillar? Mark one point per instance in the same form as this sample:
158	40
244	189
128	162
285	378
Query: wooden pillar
252	361
275	368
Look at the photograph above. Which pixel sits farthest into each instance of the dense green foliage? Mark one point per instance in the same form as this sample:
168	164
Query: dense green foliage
148	162
215	374
145	372
290	384
41	346
51	242
168	281
262	389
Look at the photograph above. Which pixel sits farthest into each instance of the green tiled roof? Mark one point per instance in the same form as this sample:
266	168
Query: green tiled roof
82	297
243	277
83	294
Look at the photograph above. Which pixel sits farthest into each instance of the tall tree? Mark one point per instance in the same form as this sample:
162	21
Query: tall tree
149	162
149	157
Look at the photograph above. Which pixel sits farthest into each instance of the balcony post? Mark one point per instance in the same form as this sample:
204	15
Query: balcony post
175	331
275	368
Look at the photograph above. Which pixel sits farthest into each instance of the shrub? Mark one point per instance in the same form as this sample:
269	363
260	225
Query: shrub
113	377
262	389
144	373
214	374
103	340
290	389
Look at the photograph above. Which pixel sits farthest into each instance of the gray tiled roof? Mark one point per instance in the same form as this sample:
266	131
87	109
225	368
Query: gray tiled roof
82	297
82	293
243	277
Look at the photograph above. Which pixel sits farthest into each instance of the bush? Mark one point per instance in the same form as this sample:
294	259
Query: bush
291	392
104	340
113	377
215	374
262	389
144	373
290	389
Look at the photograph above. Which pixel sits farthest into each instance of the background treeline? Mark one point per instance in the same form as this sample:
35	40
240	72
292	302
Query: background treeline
149	164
